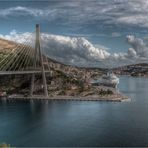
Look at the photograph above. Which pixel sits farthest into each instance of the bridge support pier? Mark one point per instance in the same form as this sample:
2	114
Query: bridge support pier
32	85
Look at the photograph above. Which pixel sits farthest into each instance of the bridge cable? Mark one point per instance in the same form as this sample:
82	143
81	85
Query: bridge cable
9	55
24	58
15	56
17	60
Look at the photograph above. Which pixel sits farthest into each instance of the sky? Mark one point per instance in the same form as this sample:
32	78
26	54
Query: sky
81	32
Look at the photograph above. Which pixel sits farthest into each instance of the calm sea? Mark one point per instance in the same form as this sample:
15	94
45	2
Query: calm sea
74	123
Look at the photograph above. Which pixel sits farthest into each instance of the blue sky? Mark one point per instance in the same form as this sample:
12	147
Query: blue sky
104	23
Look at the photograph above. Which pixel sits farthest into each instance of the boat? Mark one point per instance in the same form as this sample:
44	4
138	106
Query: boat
110	79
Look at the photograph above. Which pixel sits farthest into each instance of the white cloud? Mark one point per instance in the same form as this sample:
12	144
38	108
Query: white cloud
127	12
139	47
72	50
80	52
132	52
134	13
19	10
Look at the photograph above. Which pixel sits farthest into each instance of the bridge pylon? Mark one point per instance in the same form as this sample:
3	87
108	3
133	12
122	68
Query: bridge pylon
38	51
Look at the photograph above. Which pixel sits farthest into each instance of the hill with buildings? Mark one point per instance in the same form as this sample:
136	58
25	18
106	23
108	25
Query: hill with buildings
140	69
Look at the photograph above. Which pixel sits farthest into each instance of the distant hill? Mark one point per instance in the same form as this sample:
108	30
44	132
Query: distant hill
140	69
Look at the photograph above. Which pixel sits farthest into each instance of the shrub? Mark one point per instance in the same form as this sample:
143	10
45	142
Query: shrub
105	92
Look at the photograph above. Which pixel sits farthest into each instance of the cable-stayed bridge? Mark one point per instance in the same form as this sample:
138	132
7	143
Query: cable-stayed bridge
27	58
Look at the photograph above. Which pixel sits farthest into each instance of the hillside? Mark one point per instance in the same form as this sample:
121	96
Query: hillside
7	45
140	69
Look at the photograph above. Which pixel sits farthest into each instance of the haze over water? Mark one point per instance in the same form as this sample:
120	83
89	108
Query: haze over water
79	123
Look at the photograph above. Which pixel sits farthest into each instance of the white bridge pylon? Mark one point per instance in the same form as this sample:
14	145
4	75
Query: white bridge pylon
38	51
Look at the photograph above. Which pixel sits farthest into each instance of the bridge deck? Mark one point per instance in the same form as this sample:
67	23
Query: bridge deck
20	72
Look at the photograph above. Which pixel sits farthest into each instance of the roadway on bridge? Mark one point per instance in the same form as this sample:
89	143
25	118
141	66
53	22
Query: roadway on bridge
20	72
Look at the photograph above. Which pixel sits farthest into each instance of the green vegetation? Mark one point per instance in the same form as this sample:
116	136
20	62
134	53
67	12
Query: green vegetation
62	93
105	92
4	145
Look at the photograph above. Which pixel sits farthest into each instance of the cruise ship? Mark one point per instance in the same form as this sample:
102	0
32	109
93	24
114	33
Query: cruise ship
110	79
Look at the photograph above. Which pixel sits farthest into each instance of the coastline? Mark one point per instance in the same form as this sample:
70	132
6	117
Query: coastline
109	98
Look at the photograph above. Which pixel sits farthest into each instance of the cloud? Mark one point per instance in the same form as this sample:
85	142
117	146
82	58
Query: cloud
73	50
69	50
115	12
79	51
132	52
139	47
25	38
134	13
19	11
